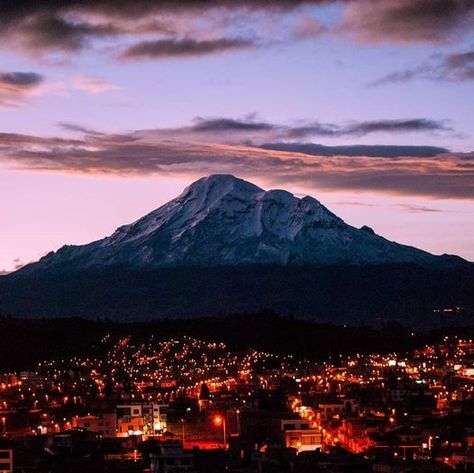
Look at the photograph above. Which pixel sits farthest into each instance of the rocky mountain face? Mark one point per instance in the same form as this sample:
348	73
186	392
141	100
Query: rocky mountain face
221	220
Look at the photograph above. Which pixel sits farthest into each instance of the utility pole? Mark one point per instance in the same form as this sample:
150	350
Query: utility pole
224	428
182	430
221	420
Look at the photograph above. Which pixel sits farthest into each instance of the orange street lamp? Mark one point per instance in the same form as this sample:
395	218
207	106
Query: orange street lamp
218	421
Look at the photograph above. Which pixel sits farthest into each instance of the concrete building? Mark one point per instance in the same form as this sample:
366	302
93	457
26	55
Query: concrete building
105	424
148	418
6	461
170	457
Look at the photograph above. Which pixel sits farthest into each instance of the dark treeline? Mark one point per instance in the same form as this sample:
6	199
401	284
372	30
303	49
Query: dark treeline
24	342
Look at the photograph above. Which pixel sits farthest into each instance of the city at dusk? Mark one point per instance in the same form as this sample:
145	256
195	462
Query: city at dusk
237	236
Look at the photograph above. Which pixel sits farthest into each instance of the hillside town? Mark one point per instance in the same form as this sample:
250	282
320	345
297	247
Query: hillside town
196	406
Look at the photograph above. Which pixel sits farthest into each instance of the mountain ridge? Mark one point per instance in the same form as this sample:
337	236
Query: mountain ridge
221	220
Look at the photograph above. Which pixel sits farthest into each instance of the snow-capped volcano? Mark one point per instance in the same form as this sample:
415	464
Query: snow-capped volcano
221	220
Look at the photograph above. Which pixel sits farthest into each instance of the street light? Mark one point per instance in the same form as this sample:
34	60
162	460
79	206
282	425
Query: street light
218	421
182	433
238	421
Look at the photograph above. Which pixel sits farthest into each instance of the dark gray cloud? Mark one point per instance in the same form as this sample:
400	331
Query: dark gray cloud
56	25
148	152
39	27
404	75
20	79
49	31
252	131
183	48
389	151
390	126
16	87
410	21
432	177
313	129
78	129
454	67
367	127
10	11
229	124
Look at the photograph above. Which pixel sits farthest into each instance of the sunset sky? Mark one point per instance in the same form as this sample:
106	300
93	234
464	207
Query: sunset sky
109	108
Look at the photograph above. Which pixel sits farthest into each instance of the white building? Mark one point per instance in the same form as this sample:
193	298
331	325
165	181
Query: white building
153	416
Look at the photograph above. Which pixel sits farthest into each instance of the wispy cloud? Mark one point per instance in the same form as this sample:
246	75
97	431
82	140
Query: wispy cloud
17	263
353	203
251	130
453	67
17	87
459	66
74	128
367	127
164	48
416	208
93	85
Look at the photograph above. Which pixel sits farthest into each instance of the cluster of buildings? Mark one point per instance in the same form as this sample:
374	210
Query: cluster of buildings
195	406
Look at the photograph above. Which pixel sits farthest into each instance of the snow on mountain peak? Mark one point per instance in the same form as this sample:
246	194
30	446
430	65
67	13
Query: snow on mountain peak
209	191
223	220
222	183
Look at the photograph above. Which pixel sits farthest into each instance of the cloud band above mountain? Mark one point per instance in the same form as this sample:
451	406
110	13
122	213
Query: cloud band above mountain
250	130
196	150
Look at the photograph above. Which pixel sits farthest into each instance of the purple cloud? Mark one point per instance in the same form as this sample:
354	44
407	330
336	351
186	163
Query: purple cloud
16	87
181	152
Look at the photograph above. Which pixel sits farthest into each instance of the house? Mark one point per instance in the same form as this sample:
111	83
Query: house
6	461
104	424
167	457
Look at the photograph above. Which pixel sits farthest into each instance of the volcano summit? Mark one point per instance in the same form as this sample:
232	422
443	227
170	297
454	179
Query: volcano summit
225	245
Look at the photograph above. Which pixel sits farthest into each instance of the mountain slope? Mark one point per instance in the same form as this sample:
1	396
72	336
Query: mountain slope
224	221
410	294
227	246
